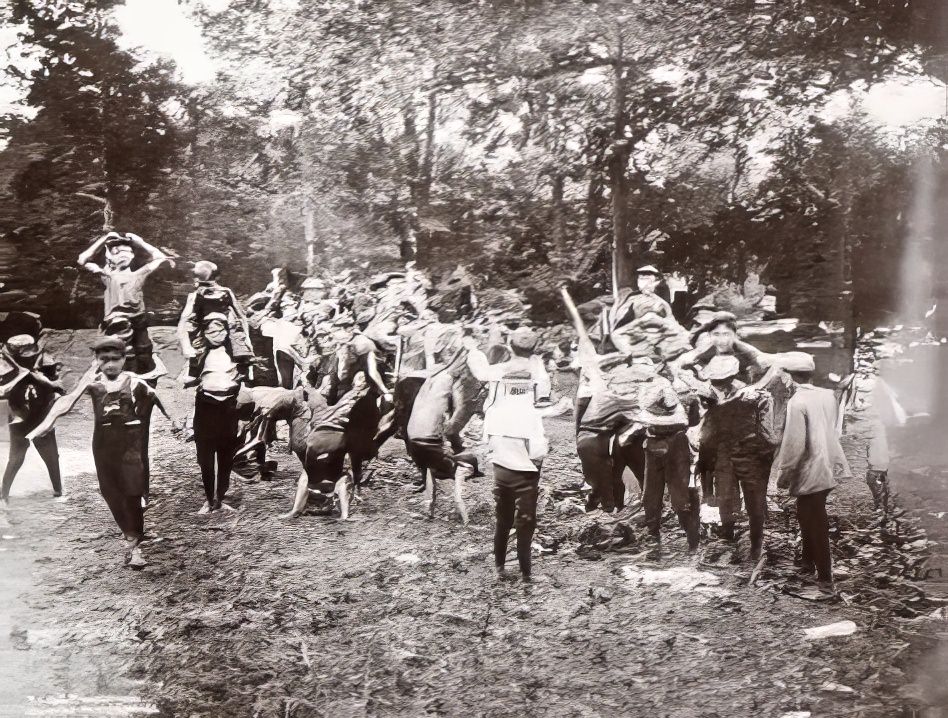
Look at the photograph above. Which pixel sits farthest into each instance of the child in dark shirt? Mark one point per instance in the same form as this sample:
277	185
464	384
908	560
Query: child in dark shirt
30	386
211	298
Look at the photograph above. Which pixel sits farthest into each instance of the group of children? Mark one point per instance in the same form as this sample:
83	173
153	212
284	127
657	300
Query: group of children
687	413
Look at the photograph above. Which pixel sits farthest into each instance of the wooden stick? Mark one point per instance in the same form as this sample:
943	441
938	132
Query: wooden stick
586	349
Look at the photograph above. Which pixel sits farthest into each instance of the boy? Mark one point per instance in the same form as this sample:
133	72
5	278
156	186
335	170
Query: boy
513	426
667	462
30	387
320	443
736	448
124	287
118	399
216	415
428	441
209	297
807	464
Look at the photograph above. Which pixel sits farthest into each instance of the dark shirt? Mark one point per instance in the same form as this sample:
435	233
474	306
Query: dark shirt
30	399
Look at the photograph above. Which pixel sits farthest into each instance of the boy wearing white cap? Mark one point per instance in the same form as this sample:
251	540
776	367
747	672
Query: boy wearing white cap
808	463
513	426
30	387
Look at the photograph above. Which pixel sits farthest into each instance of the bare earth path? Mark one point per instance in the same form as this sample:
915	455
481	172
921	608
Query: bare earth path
395	615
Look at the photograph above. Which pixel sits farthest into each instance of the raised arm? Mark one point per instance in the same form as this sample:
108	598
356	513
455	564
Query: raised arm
480	367
85	258
156	256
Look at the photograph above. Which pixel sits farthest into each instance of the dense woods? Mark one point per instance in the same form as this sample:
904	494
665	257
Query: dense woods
534	142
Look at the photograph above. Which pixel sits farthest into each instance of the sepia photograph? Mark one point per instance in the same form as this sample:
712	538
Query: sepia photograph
474	358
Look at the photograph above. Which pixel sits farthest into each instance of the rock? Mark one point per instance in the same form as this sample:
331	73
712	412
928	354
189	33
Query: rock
841	628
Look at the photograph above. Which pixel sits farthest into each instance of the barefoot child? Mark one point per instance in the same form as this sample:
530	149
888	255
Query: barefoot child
118	400
216	415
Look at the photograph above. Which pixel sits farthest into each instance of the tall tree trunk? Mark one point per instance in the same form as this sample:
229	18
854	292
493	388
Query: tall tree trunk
407	246
309	232
427	163
619	180
558	213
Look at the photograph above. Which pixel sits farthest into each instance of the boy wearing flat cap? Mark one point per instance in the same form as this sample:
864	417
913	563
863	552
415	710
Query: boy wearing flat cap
513	427
809	462
125	287
30	387
736	448
119	399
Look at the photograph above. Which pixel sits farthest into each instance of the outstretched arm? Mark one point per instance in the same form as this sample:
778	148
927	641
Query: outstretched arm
5	389
63	405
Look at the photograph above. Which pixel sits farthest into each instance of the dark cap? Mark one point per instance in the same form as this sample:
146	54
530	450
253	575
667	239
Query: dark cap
114	238
108	343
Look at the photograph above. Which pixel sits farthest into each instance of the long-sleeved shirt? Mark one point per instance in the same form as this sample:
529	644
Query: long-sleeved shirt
513	426
738	427
810	456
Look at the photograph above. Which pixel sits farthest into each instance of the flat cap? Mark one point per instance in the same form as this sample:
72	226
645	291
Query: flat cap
22	345
524	338
108	343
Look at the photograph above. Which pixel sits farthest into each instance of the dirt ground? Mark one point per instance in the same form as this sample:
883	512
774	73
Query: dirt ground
392	614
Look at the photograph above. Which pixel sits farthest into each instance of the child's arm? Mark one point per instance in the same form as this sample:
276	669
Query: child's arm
184	322
85	259
5	389
157	257
63	405
241	315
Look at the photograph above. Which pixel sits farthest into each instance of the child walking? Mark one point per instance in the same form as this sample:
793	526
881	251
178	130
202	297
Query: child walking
118	401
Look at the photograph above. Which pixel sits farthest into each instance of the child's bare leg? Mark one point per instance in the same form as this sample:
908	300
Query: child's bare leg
431	490
342	491
459	498
302	495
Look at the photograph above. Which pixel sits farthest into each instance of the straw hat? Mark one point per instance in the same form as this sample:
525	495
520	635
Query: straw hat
661	407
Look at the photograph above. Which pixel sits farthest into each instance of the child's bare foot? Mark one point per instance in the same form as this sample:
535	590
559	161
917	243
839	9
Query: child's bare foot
205	509
221	506
137	559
